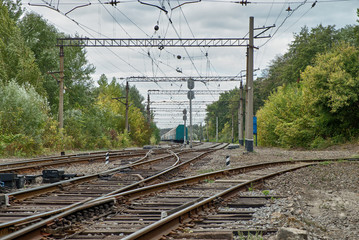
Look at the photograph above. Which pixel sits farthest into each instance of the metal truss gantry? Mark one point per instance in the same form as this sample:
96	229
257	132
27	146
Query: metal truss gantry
175	109
161	43
181	103
182	92
184	79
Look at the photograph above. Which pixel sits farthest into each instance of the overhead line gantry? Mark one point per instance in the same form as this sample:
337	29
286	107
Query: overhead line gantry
182	92
184	79
161	43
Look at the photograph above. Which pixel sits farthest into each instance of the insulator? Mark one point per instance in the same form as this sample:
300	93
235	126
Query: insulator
156	28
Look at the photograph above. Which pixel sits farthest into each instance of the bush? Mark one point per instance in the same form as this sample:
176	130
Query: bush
285	120
23	118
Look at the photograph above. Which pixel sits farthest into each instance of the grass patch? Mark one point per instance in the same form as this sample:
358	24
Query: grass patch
209	181
325	163
206	171
249	236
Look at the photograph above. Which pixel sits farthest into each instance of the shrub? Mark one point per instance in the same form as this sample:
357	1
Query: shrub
23	118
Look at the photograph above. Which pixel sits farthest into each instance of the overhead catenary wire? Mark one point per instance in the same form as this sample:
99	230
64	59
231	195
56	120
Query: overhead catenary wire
290	13
86	29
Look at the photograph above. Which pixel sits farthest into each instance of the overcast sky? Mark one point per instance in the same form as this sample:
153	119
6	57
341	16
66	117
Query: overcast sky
211	19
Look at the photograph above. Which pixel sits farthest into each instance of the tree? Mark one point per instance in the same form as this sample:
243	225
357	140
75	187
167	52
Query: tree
17	62
321	109
223	109
14	8
286	120
332	86
41	37
286	69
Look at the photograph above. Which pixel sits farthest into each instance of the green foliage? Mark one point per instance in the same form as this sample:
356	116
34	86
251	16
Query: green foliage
224	108
14	8
302	52
285	119
266	192
102	125
92	118
318	111
17	62
155	134
332	86
250	236
41	37
23	118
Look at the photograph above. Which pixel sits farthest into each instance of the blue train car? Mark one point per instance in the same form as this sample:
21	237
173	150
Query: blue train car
175	134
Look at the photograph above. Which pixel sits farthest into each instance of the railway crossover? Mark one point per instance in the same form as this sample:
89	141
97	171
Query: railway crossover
48	200
178	209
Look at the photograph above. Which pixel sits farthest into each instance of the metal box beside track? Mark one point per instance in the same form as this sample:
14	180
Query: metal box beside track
12	180
53	175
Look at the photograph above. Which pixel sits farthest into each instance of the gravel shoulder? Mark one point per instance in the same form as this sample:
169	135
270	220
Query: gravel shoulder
323	200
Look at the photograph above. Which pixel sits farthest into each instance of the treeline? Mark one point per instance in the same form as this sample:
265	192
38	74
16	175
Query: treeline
29	95
308	97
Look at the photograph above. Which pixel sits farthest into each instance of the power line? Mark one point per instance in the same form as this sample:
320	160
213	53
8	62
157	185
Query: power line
290	13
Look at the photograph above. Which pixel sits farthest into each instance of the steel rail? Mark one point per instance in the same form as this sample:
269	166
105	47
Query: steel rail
168	224
4	228
27	165
24	194
156	176
34	229
132	194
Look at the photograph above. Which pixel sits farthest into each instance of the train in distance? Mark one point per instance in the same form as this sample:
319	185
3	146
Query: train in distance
176	134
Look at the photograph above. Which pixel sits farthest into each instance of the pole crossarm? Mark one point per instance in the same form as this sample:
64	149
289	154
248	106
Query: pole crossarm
184	79
150	42
182	92
182	103
175	109
177	114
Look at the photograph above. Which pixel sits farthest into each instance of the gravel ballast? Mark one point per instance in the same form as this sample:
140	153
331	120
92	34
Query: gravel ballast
322	200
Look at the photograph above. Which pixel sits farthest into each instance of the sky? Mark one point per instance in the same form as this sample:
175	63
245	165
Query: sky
187	19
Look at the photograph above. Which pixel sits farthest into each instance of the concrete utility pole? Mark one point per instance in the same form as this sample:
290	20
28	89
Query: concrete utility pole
184	126
126	104
148	109
61	100
207	131
216	129
61	91
249	89
232	127
190	96
240	115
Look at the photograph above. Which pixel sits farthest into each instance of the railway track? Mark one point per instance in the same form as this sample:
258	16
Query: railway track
54	198
32	165
183	203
